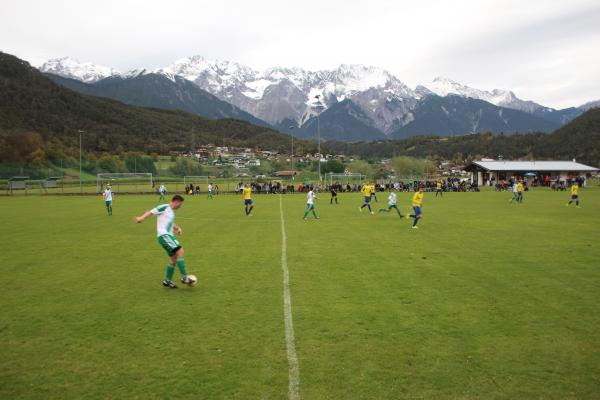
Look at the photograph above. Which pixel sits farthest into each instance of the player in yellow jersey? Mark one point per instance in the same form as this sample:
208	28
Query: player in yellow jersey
520	190
438	189
417	203
374	193
574	195
247	196
366	192
517	190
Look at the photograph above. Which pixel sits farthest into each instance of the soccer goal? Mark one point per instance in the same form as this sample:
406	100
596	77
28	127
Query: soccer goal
126	181
349	178
195	179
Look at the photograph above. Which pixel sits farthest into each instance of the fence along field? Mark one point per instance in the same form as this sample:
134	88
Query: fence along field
126	185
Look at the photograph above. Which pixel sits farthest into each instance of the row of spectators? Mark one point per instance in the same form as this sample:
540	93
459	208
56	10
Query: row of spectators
448	185
555	184
265	188
194	190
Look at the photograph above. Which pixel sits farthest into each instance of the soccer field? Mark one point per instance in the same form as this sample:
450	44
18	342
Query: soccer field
487	300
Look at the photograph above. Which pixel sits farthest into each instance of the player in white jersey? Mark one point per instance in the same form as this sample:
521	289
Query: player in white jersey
161	191
107	196
310	204
165	229
392	200
210	190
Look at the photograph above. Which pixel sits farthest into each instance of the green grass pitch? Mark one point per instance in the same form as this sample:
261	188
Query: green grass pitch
487	300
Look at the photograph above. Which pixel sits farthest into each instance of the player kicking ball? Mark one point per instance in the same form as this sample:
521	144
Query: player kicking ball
392	199
107	196
247	196
310	205
574	195
165	229
417	203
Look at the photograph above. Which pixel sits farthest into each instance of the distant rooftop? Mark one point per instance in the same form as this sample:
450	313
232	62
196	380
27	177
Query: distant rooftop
532	166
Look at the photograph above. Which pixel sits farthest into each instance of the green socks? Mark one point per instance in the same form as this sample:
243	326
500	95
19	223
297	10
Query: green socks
309	209
181	265
170	271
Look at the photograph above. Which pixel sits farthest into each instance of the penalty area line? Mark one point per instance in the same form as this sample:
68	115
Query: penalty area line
294	373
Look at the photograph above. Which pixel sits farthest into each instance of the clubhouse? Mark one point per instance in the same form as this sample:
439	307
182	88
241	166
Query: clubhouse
484	171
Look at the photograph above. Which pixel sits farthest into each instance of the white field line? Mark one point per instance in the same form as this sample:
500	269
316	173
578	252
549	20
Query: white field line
294	373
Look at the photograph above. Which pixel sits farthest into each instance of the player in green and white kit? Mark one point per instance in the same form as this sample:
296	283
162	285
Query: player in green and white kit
392	204
162	190
165	227
210	191
107	196
310	205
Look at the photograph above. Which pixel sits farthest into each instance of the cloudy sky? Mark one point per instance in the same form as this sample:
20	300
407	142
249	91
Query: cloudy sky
546	51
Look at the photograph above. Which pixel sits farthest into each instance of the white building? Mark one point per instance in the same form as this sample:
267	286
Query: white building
484	170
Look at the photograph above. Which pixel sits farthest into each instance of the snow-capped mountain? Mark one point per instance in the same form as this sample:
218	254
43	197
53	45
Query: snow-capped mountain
286	97
289	93
503	98
159	91
71	68
589	105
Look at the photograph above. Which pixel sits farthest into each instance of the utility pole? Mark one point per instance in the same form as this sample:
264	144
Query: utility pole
80	181
193	142
292	157
319	107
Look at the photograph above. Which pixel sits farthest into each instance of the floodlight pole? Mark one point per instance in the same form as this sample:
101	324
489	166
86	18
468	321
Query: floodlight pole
319	133
80	182
292	157
319	144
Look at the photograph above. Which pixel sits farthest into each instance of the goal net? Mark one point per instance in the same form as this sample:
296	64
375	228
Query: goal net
126	180
196	179
349	178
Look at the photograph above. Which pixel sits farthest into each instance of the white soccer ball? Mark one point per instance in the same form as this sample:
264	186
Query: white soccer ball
192	280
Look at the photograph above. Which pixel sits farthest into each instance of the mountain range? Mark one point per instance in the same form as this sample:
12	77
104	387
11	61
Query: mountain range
354	102
40	122
30	102
158	91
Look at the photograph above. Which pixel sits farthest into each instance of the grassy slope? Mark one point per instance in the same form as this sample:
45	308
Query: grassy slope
486	300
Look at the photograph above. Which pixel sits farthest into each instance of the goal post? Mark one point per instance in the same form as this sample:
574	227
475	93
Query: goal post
193	179
125	179
343	179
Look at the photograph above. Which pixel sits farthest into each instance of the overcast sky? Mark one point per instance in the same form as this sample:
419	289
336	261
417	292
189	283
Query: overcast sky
546	51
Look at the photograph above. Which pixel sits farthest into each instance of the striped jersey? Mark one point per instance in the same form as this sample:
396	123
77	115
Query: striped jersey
107	195
310	197
165	219
392	199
